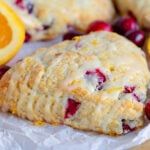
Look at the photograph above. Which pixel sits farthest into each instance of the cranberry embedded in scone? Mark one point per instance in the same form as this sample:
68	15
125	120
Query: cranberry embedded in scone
20	4
99	75
99	26
72	107
24	5
126	128
129	89
3	70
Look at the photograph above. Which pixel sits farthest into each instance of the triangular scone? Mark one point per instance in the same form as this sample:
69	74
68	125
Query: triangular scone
46	19
97	82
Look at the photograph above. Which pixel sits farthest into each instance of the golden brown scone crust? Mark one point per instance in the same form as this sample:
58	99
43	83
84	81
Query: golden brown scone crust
139	8
56	15
102	77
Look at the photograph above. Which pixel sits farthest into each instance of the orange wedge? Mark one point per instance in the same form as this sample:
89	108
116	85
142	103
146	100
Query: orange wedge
148	45
12	33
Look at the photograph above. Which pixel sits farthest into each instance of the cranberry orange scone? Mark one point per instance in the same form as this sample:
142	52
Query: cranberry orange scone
139	8
50	18
96	82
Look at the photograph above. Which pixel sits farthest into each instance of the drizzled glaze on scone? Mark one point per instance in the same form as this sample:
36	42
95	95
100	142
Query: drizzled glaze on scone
99	86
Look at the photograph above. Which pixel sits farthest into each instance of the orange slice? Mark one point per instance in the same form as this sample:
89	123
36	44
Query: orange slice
12	33
148	45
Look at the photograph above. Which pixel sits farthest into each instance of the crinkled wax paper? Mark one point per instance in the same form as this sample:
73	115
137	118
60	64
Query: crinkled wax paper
19	134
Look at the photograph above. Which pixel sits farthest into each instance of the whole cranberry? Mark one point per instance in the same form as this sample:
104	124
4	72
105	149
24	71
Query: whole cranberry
3	70
124	24
27	37
70	34
137	37
99	26
147	109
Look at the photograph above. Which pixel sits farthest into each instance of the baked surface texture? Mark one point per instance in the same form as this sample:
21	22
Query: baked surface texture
97	82
46	19
139	8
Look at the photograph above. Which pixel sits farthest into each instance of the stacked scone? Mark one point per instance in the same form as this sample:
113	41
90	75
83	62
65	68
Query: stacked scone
46	19
96	82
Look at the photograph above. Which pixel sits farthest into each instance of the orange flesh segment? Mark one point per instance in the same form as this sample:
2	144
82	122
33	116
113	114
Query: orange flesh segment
5	32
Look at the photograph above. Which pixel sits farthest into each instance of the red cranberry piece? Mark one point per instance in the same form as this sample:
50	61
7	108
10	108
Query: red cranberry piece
72	33
124	24
20	4
99	26
27	37
72	107
100	75
126	127
129	89
3	70
147	109
137	37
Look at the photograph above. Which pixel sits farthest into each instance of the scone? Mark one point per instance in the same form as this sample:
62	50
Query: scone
46	19
97	82
139	8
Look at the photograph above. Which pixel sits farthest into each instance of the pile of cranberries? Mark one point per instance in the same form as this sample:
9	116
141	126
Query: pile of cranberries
126	26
